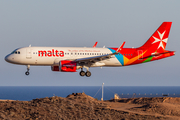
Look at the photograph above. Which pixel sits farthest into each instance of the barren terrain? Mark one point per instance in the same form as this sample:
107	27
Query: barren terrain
81	106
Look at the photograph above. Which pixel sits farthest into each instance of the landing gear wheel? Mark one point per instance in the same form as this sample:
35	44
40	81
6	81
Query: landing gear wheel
27	73
82	73
28	68
88	74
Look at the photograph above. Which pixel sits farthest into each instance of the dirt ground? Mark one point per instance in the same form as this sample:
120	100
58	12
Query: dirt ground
81	106
159	107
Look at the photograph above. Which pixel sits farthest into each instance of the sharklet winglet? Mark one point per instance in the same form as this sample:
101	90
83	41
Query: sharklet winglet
95	45
120	48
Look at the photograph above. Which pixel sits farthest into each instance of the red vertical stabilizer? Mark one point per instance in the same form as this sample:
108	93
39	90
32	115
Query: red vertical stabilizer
157	42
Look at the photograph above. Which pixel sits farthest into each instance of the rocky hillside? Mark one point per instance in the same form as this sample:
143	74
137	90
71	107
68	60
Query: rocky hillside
73	107
161	105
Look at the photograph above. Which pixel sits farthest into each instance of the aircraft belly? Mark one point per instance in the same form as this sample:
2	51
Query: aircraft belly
38	61
112	62
44	61
109	62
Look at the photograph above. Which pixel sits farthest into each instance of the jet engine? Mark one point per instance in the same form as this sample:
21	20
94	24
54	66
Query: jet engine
65	66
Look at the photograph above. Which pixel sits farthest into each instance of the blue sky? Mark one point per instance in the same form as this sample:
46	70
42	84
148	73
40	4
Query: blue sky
81	23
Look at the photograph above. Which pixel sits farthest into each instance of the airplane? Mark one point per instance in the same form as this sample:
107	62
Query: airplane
70	59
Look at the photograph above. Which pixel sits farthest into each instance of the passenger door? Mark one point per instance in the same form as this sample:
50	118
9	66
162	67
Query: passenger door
28	53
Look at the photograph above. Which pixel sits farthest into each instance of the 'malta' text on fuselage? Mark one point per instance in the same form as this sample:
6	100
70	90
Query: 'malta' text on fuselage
51	53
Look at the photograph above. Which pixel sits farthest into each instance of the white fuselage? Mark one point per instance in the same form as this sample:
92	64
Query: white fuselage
48	56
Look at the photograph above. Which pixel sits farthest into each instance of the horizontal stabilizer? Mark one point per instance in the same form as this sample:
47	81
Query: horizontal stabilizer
158	54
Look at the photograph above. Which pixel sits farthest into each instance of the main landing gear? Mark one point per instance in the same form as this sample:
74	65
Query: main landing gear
28	68
82	73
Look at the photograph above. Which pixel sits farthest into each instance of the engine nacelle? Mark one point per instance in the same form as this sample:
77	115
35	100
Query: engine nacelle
55	68
65	66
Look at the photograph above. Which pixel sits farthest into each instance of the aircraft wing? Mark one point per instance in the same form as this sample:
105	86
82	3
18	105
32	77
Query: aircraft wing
99	58
96	58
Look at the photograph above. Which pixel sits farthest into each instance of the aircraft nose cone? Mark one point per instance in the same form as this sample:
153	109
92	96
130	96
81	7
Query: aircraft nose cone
7	58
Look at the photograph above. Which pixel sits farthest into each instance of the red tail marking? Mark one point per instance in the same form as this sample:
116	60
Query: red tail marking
159	39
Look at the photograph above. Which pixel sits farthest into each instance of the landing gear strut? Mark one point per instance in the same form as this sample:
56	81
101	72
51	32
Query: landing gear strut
28	68
82	73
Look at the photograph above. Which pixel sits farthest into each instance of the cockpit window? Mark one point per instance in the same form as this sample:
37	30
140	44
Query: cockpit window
15	52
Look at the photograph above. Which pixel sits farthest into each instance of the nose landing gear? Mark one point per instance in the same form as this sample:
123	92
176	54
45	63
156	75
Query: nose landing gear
27	72
28	68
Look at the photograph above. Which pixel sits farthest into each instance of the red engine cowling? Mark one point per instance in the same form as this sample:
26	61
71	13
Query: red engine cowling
65	66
